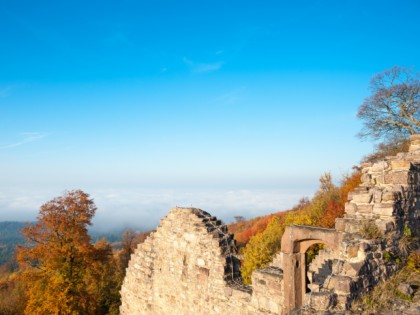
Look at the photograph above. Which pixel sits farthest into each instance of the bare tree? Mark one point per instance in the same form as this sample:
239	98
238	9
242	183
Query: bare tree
392	111
326	183
128	244
239	218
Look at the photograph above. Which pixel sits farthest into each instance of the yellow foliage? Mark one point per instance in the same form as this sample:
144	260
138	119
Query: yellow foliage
261	248
298	217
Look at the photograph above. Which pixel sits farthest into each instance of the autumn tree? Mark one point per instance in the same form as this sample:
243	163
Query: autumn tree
58	256
261	248
392	111
103	279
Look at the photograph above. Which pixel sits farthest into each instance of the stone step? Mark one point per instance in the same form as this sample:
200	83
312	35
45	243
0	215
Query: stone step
320	301
314	287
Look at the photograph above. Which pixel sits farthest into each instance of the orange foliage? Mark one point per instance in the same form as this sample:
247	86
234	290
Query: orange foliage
55	262
244	230
348	185
334	210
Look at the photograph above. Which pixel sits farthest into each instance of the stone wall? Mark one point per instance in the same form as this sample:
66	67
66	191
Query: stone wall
189	265
389	193
387	198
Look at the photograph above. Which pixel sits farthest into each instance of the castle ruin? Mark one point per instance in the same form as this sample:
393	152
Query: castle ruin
189	264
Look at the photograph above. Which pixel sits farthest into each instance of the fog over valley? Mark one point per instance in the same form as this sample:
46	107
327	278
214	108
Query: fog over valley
142	208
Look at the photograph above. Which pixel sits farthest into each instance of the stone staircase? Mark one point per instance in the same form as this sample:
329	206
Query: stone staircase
386	198
319	269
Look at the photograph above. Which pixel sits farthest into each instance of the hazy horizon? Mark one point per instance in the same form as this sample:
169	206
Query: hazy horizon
142	208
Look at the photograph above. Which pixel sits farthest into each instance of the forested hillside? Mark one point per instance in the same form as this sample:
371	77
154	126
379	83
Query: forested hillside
10	236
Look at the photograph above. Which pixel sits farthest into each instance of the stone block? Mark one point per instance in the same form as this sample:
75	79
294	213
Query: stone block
365	166
397	177
340	224
352	226
406	290
362	197
388	196
364	208
414	148
400	165
385	226
383	209
314	287
350	208
379	166
366	178
352	269
352	250
340	284
377	196
342	302
321	301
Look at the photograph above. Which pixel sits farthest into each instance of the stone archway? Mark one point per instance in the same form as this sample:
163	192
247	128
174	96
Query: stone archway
294	244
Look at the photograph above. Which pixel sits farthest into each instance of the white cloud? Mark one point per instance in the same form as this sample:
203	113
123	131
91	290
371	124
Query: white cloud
27	137
198	68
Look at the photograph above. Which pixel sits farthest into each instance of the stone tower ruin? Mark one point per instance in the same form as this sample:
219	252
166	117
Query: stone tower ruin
189	265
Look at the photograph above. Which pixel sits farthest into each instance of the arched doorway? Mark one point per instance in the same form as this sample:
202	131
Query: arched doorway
295	242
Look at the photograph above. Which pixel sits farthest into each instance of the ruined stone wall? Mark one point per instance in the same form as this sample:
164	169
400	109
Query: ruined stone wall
389	193
388	198
188	266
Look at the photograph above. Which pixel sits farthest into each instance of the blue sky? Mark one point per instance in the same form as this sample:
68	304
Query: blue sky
236	107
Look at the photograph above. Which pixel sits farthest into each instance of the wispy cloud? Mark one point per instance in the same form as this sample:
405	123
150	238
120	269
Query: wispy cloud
198	68
231	97
27	137
5	91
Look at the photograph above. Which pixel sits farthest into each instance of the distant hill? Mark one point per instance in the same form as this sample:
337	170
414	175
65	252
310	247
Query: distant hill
10	236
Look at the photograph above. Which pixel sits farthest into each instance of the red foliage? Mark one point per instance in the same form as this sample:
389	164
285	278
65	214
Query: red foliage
334	210
244	230
349	184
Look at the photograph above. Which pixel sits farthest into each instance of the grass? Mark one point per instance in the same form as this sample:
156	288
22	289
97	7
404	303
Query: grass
383	295
370	231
